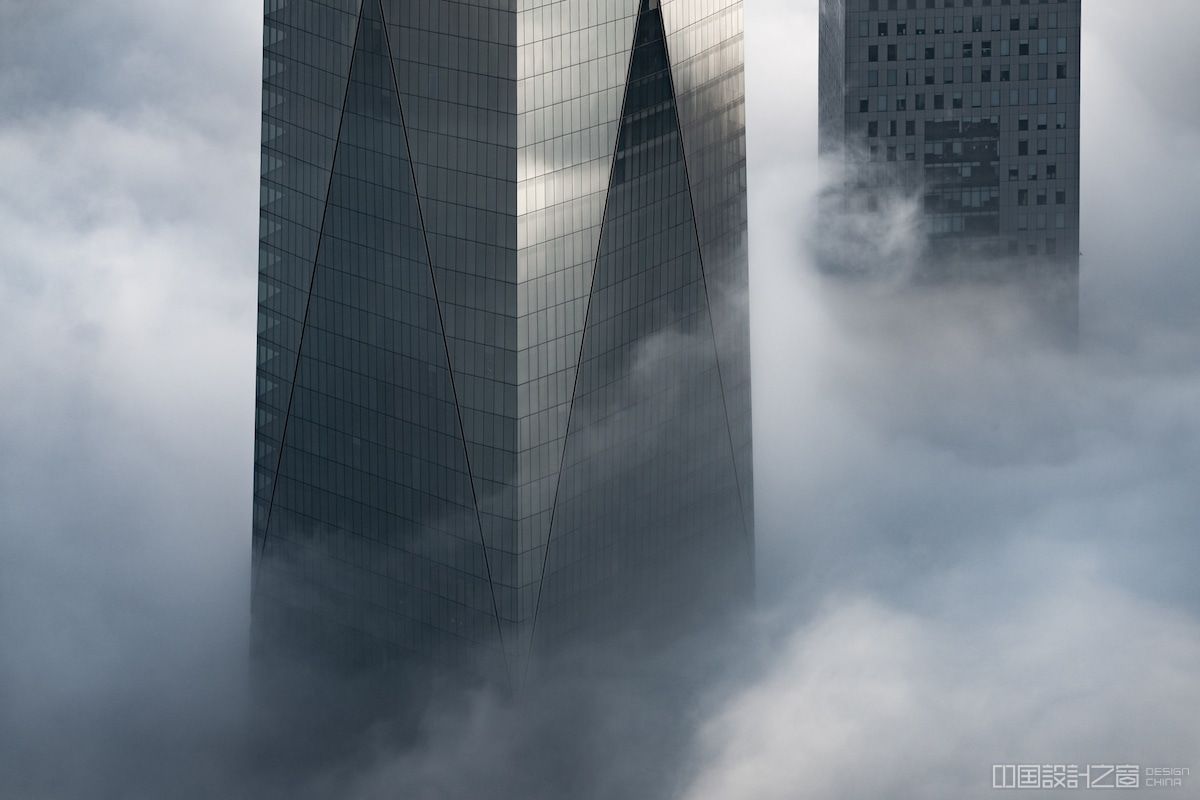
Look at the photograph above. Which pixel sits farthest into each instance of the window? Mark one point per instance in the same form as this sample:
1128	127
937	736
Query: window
920	102
920	26
1060	220
1060	71
910	52
939	101
910	127
1060	197
957	102
873	53
948	75
883	103
985	49
891	52
1023	122
1005	72
1041	123
1023	70
891	127
883	29
1014	97
1060	122
863	105
929	77
968	47
1022	197
1043	46
1043	71
958	24
968	74
902	103
1033	22
1023	147
939	25
864	28
901	28
1014	23
910	152
1051	172
1023	48
1062	146
891	77
995	22
1062	44
1052	96
996	97
891	152
930	52
985	75
976	24
1041	197
1005	47
872	77
1033	97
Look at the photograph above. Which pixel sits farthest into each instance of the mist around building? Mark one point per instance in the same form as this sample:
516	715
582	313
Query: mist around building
975	547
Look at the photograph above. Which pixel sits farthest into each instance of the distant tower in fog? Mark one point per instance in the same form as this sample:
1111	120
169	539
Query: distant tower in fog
476	218
971	107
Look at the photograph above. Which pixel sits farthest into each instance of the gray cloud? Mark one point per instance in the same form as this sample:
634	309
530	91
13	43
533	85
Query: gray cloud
972	548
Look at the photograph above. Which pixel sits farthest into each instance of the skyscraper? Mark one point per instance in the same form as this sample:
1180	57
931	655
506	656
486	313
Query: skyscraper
972	108
503	373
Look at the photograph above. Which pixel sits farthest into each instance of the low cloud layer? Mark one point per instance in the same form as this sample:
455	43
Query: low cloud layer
973	549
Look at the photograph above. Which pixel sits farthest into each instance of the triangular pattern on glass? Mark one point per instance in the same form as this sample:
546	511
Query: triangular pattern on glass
365	536
647	509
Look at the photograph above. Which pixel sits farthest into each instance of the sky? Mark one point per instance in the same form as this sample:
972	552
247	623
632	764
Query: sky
972	549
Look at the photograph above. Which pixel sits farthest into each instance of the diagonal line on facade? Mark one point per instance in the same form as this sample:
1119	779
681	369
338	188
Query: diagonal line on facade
704	281
582	337
307	304
445	343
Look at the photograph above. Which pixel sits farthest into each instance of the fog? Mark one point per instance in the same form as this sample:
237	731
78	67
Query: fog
973	548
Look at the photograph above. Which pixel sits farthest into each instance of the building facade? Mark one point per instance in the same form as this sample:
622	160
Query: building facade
503	362
971	108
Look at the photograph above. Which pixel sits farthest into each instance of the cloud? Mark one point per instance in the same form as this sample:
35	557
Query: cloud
971	548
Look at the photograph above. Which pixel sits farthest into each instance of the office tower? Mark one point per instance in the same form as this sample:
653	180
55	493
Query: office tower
503	373
972	108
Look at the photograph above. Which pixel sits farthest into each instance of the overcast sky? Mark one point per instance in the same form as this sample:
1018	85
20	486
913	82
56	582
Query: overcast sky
972	550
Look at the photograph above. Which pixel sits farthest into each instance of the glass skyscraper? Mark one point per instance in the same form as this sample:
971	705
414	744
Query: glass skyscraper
972	108
503	362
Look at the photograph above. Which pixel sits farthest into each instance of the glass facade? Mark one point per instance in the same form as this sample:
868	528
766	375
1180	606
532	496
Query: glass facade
971	107
503	373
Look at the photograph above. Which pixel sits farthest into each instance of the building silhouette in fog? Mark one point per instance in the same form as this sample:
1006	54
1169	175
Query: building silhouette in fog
503	380
972	108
